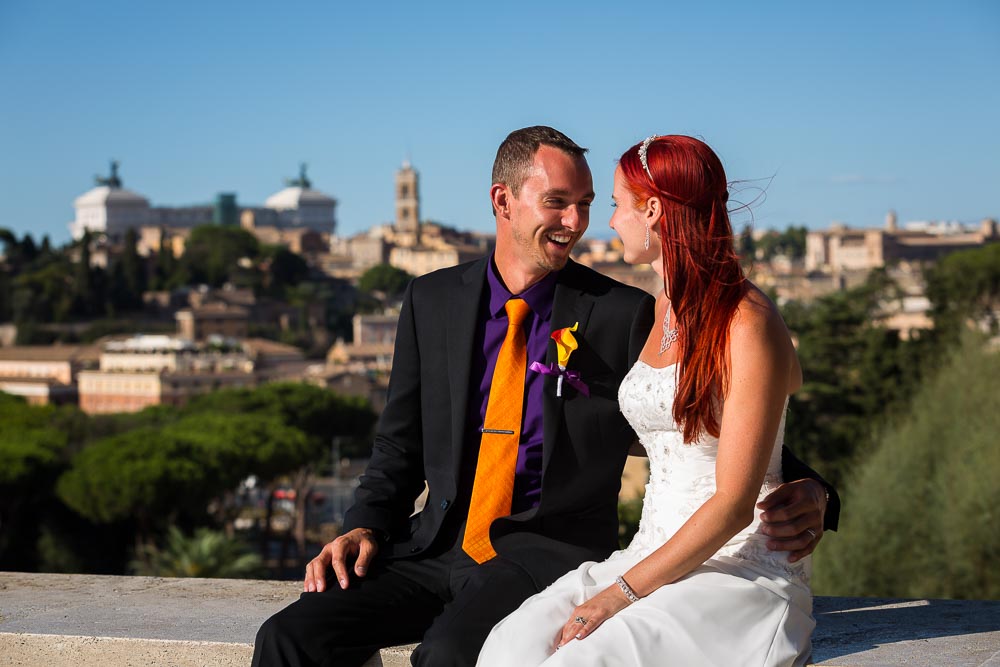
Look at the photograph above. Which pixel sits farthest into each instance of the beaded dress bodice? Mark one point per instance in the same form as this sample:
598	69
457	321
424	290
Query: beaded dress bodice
682	476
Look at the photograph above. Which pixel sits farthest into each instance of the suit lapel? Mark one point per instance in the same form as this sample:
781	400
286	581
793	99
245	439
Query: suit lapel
463	310
570	305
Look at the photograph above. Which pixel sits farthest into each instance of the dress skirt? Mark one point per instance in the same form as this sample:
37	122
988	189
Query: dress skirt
728	612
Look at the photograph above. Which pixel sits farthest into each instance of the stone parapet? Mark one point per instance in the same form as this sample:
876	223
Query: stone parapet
102	621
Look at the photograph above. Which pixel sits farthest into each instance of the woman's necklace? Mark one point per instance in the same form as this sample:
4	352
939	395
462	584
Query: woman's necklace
669	335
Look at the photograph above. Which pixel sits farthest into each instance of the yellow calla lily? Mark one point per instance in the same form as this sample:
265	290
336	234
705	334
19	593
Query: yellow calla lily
565	343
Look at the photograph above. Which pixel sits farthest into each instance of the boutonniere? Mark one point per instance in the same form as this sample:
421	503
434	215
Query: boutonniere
565	345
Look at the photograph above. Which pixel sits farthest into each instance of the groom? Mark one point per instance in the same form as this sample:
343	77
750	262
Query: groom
523	475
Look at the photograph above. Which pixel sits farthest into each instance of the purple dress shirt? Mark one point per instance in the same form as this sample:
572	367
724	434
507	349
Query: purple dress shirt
490	334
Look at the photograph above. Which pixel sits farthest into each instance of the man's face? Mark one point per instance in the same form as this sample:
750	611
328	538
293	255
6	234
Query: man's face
552	211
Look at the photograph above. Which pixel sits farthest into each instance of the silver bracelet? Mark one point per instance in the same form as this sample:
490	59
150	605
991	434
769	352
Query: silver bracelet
626	589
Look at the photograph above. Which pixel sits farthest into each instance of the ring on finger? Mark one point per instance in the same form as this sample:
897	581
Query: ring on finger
581	620
811	532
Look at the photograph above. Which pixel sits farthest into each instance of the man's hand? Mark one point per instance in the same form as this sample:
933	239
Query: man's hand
793	517
359	544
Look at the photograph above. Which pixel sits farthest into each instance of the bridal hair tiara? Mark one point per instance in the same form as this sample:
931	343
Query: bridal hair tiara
642	153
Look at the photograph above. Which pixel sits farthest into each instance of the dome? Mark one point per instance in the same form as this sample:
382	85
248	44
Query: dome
109	208
103	195
296	196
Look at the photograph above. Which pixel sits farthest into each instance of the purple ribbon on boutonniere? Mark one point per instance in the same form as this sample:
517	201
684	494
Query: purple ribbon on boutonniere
565	346
572	378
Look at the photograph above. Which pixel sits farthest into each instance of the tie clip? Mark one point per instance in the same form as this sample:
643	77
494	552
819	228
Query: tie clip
498	431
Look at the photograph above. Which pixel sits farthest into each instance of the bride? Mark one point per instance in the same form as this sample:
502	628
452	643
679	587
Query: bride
707	398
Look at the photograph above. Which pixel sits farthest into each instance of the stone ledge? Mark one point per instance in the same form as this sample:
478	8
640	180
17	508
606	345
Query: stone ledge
35	650
101	621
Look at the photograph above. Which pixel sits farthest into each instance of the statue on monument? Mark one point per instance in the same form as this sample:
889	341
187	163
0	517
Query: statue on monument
112	181
302	181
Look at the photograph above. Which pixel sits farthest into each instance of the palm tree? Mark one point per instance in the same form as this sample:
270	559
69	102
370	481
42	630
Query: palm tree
207	553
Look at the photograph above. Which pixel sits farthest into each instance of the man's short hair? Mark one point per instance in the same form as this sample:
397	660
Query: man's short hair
517	152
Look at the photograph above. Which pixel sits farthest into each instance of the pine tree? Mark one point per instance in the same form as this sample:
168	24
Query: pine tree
920	513
133	273
83	296
164	272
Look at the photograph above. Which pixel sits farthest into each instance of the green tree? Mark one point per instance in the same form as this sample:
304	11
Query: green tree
166	465
384	278
34	442
965	287
320	415
19	255
128	277
285	269
84	298
791	243
156	475
44	295
854	371
167	271
6	297
10	245
28	441
213	252
746	246
207	553
29	251
922	517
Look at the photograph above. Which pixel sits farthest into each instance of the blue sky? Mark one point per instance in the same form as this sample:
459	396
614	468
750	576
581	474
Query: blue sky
841	110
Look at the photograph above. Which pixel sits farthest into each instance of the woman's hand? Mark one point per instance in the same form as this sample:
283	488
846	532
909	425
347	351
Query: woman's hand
588	616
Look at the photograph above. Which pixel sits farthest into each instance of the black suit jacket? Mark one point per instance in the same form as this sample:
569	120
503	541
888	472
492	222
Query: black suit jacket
421	433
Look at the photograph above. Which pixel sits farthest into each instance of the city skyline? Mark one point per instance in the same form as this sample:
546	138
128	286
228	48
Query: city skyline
839	113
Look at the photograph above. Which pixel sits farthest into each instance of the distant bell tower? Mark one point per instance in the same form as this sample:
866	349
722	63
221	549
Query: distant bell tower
988	228
891	222
407	205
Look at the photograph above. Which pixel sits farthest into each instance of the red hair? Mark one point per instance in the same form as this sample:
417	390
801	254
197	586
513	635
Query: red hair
701	270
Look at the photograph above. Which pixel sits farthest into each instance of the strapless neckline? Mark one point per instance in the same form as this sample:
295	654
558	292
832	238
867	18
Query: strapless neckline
656	368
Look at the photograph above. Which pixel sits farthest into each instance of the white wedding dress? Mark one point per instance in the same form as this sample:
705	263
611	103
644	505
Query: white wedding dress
745	605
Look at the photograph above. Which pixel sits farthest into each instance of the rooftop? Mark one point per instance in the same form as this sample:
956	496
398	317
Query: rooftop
50	353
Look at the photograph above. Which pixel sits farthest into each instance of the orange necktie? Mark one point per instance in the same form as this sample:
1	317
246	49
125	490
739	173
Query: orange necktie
493	488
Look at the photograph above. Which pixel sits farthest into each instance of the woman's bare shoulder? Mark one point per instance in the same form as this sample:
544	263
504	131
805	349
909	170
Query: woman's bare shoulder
757	313
759	329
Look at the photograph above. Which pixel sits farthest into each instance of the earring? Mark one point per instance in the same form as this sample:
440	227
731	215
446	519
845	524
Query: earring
646	244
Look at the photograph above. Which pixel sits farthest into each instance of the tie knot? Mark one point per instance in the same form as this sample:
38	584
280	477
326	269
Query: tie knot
517	310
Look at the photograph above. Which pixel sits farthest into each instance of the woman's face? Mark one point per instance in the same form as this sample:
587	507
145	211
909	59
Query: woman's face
631	223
